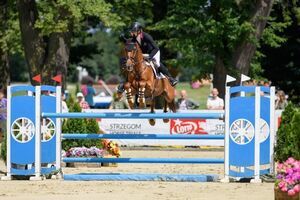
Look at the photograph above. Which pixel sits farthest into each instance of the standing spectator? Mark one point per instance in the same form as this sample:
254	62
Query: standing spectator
281	101
64	106
3	106
89	94
82	103
118	103
183	103
214	102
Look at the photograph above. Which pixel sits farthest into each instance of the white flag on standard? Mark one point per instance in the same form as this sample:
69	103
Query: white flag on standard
244	78
229	79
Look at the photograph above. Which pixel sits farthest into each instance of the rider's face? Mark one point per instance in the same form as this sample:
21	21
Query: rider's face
134	33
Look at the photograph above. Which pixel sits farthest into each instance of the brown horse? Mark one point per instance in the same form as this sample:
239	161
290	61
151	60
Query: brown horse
141	81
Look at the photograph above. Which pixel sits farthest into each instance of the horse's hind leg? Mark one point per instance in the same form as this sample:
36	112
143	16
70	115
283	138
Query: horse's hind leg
152	121
165	110
172	106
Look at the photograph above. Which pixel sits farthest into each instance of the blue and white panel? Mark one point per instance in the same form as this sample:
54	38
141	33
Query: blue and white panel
265	130
22	130
241	132
48	131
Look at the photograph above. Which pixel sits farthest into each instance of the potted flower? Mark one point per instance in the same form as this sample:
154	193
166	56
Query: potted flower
287	185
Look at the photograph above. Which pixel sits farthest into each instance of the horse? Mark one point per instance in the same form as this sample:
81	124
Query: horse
141	80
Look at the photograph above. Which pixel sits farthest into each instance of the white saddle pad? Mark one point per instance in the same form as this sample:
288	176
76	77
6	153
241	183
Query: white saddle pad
157	75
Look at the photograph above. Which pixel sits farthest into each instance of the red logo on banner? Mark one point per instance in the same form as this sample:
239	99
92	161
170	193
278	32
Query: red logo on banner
188	126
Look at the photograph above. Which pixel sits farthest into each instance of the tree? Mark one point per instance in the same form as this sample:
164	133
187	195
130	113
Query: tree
216	36
9	38
47	28
281	62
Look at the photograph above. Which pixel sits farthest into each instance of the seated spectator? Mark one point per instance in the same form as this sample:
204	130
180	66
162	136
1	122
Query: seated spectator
196	84
3	107
214	102
281	101
82	103
118	103
183	103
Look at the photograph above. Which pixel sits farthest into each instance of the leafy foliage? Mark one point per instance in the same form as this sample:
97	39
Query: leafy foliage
288	135
80	126
60	16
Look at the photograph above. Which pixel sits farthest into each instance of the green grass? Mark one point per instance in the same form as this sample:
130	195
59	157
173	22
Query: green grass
198	95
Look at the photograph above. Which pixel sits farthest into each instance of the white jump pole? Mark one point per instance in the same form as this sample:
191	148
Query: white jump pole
257	137
272	128
37	134
226	138
58	128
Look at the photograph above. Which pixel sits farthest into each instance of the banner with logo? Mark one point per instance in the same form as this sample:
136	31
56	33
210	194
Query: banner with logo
174	126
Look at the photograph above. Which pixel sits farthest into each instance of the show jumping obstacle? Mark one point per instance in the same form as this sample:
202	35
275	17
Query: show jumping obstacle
34	136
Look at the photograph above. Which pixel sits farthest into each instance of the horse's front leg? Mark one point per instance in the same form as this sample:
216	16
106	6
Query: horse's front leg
152	121
165	111
141	94
129	96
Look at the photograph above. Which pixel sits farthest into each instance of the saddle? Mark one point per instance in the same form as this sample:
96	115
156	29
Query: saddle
152	63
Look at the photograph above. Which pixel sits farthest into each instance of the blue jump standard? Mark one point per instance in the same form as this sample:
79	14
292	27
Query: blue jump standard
140	177
147	160
141	136
136	115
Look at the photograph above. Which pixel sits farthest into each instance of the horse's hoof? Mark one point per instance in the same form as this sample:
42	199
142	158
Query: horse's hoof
131	105
152	122
142	105
166	120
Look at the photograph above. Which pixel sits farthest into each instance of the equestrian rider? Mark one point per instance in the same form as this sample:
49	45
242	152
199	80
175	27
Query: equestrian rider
148	46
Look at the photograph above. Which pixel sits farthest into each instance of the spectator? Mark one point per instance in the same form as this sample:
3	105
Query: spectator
3	106
64	106
281	101
89	94
214	102
183	103
118	103
82	103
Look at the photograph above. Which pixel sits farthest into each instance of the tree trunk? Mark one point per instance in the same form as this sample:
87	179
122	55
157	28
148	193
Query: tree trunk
4	63
245	51
32	40
46	56
219	73
58	57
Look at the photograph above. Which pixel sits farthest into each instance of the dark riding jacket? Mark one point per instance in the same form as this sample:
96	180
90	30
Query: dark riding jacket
147	44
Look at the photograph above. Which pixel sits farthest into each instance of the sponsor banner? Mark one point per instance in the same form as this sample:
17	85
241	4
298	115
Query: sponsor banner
197	126
174	126
133	126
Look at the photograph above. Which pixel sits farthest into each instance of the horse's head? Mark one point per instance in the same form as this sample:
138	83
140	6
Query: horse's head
131	51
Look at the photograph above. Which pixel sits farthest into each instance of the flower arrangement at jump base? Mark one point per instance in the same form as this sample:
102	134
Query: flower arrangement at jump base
109	148
288	178
112	147
84	152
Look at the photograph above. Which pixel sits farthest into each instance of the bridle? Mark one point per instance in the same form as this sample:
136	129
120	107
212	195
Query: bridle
131	47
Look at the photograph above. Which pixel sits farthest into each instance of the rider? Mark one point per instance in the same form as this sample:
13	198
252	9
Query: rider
148	46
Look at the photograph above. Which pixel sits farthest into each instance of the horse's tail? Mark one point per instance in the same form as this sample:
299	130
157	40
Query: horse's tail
172	106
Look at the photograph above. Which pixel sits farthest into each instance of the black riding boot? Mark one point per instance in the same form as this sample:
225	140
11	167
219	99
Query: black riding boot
166	72
121	88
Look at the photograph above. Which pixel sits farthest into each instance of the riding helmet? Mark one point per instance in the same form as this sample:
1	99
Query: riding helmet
135	27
